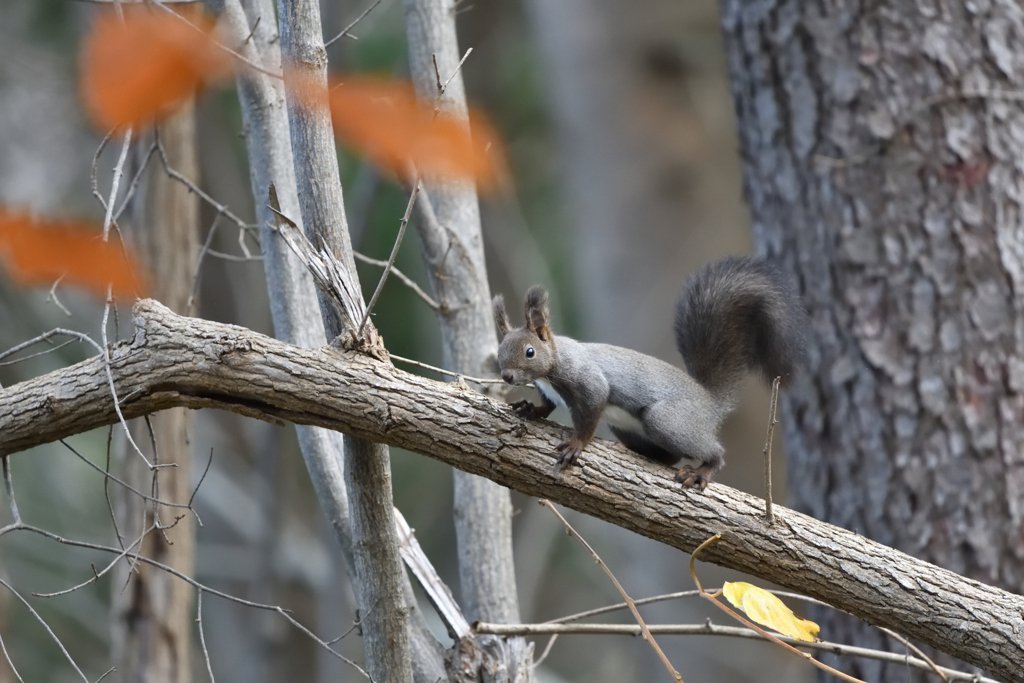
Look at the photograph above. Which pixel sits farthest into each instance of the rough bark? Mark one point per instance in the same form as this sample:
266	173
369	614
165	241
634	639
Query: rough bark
379	575
883	163
452	243
175	361
152	634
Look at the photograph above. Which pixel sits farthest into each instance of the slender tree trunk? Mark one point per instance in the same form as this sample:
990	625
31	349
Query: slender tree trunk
449	225
883	164
153	632
379	586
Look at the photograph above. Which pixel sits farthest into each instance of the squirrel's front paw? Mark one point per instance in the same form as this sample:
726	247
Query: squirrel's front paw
692	478
527	410
568	453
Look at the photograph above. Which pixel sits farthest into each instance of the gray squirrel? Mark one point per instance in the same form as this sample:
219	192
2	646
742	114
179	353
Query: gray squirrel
732	316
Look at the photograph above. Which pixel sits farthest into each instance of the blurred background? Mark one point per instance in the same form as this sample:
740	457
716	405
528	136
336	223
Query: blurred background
620	131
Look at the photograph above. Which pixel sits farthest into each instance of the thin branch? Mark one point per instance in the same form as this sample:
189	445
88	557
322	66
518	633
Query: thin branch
96	575
401	276
110	380
391	259
10	662
710	629
115	183
184	577
448	373
546	652
199	262
345	31
199	607
621	605
246	42
769	515
131	488
52	296
9	489
45	626
222	46
243	227
646	633
750	624
134	184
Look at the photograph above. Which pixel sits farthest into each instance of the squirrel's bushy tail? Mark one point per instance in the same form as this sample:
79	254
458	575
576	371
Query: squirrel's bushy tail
735	315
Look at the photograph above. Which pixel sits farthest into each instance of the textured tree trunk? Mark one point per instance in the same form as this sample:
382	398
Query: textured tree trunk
882	162
379	577
153	632
483	510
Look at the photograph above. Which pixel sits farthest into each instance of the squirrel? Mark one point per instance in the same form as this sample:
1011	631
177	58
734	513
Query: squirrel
732	316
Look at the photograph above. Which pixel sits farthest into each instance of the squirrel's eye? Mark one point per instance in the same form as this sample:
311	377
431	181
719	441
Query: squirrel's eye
530	353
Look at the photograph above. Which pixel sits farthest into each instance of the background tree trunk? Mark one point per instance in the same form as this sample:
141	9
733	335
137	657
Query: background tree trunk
153	633
449	227
882	164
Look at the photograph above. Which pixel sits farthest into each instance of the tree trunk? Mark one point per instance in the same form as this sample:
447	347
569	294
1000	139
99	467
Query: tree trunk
153	632
883	165
451	226
379	586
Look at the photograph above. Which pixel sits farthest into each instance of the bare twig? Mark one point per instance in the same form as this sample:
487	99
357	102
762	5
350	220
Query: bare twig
115	183
713	598
10	663
448	373
134	184
151	499
199	608
199	262
221	209
9	489
222	46
45	626
246	42
52	296
391	259
710	629
621	605
345	31
547	650
184	577
769	515
645	632
401	276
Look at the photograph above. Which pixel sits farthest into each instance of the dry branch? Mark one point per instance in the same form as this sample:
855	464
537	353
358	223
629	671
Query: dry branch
176	361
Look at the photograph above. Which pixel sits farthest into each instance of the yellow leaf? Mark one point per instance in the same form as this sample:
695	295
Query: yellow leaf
767	610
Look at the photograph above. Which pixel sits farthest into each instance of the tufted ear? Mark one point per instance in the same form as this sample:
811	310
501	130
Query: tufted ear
500	316
537	315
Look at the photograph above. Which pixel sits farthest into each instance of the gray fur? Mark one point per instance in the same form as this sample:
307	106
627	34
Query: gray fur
734	315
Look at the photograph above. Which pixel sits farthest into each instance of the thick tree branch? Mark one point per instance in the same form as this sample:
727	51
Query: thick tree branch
176	361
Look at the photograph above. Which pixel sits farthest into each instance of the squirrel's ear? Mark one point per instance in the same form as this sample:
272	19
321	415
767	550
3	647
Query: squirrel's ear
537	312
500	316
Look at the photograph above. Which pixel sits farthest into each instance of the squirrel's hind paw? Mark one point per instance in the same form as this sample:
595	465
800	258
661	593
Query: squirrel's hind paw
694	478
568	453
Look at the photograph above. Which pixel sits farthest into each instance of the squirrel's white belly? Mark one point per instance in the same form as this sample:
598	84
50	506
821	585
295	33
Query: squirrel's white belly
617	417
613	415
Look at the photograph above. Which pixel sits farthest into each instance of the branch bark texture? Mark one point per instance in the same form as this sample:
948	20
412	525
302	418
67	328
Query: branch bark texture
175	361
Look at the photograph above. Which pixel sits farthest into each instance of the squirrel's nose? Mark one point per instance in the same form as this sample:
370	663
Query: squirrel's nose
506	375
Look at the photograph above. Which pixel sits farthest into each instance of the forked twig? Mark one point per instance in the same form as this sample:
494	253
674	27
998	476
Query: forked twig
629	601
345	31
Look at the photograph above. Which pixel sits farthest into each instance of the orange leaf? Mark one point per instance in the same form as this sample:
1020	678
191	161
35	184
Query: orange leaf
384	120
140	68
39	252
